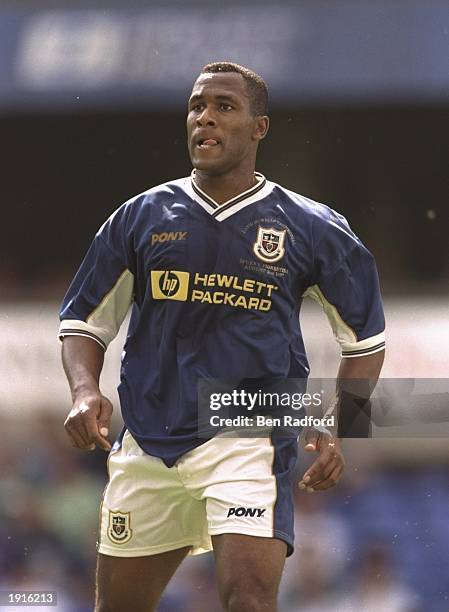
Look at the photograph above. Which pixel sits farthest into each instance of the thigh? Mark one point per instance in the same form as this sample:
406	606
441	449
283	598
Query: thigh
134	583
249	570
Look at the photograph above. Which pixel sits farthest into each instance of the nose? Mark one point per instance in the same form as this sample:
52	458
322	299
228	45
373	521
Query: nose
206	118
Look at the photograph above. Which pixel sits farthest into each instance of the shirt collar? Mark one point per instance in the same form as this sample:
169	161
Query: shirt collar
222	211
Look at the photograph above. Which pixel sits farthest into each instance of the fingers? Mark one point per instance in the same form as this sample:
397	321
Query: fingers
88	423
320	470
311	440
328	467
79	441
93	430
77	432
104	420
331	480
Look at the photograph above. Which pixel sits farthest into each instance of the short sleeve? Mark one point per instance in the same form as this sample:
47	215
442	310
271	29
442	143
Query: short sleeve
346	285
102	290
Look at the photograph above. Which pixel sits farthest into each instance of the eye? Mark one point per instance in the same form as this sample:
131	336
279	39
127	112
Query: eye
197	107
224	106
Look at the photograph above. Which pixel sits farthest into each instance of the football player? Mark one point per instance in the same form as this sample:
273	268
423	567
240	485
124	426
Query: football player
214	267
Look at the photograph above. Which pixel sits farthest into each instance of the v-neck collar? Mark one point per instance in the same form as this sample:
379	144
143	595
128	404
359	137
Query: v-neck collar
222	211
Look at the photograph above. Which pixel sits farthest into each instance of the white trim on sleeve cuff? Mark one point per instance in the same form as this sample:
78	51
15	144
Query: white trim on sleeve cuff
368	346
71	327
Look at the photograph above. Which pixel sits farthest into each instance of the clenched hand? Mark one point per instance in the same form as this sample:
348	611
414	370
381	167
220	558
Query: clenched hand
88	422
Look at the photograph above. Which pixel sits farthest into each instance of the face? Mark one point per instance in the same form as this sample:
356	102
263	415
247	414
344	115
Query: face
222	133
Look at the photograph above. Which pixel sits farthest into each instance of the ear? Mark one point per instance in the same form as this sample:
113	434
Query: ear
261	125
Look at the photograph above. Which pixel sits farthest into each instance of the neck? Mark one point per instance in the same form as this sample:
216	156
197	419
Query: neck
225	187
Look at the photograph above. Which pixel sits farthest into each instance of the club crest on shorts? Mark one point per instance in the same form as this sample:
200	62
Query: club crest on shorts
269	245
119	528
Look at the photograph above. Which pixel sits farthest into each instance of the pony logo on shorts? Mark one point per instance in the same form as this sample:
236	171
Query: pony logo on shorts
253	512
119	528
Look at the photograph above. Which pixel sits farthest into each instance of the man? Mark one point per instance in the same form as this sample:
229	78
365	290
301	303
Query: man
214	266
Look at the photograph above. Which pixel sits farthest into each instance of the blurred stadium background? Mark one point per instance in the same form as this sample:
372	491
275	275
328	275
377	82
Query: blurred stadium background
92	104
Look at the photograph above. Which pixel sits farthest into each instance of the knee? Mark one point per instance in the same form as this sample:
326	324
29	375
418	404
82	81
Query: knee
249	598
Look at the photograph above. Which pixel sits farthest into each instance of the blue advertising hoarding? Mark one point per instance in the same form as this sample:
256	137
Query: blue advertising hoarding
318	52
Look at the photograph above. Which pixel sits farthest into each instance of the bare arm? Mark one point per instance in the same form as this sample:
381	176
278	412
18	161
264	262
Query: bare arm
87	424
357	378
367	367
326	471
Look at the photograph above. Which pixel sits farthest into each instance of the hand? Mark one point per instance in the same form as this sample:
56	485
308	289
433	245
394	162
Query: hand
88	422
326	471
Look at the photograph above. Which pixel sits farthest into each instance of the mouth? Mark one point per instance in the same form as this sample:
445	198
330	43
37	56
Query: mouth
207	143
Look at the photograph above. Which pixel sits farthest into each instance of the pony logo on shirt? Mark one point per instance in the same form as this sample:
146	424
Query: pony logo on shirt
119	528
269	245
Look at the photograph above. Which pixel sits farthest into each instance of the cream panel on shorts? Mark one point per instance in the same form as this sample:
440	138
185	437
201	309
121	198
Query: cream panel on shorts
226	485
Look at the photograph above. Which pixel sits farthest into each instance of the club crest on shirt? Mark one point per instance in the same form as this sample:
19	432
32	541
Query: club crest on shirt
269	245
119	529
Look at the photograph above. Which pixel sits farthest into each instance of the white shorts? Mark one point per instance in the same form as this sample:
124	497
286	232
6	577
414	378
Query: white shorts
226	485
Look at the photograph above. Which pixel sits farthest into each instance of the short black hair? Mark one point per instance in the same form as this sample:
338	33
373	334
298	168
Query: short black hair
256	86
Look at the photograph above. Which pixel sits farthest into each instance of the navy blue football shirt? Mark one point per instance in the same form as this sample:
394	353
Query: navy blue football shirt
215	292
